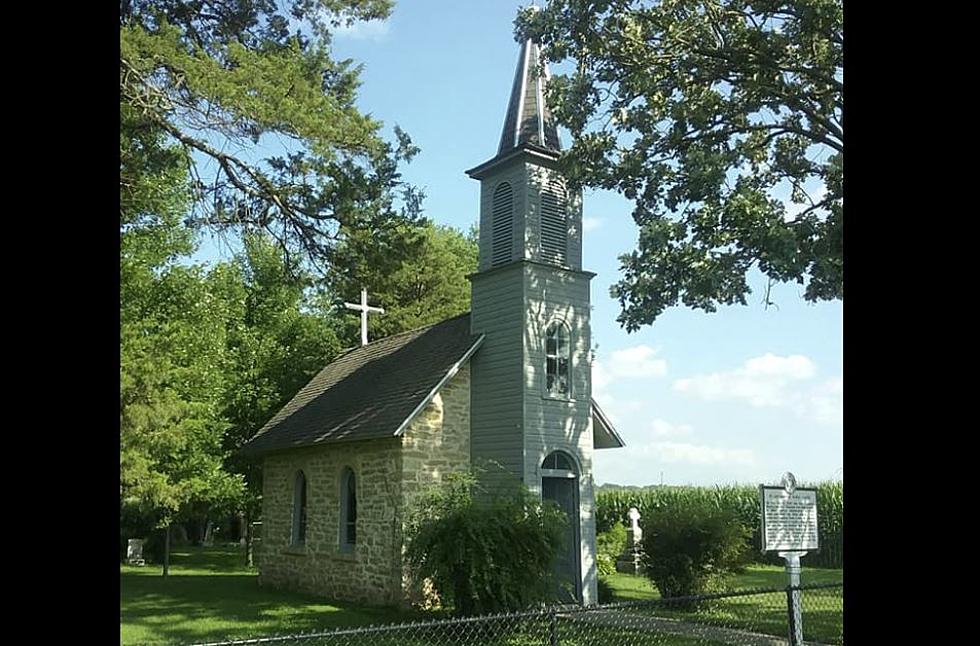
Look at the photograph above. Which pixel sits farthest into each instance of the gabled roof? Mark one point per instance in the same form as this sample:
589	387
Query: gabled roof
529	120
372	391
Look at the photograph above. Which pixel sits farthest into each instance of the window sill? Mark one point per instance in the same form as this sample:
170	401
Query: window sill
295	550
346	555
559	398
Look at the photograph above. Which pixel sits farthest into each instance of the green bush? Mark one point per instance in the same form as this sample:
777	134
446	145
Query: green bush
692	549
608	546
484	550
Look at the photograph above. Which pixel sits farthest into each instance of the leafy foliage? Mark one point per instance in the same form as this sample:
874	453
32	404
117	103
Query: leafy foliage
265	119
690	549
484	551
609	545
427	286
743	501
722	120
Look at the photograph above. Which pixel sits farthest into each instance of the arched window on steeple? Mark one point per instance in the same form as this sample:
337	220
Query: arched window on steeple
558	354
502	239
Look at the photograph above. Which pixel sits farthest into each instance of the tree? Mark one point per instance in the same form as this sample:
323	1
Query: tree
172	342
427	286
173	367
706	113
264	118
279	341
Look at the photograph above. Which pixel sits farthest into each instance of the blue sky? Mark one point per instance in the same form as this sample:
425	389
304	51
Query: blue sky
741	395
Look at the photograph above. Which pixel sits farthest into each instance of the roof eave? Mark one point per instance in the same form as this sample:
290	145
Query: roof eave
539	153
607	424
442	382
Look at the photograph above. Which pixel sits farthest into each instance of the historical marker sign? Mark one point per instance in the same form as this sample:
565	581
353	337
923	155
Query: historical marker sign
789	518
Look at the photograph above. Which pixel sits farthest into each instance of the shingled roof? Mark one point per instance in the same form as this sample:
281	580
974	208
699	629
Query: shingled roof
371	391
528	120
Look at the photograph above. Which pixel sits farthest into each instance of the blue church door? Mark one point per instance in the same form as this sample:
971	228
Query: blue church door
564	492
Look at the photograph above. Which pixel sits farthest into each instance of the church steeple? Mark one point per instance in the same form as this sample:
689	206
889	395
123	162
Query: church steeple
531	381
528	118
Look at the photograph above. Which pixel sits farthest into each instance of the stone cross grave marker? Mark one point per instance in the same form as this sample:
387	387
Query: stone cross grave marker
629	560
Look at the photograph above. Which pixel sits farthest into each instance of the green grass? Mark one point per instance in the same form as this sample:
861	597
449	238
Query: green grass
211	595
628	587
822	609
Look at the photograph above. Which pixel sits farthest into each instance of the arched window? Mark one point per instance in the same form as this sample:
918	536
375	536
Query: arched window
558	357
298	536
348	510
559	460
502	239
554	224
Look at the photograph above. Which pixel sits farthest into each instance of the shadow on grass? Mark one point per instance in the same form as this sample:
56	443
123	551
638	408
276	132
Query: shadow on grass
199	607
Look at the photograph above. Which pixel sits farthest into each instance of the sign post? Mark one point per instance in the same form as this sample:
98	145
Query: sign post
789	528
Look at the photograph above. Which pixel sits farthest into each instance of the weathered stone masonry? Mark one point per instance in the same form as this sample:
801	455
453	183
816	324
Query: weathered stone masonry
389	473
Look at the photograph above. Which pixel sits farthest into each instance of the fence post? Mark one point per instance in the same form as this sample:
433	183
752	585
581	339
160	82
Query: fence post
553	628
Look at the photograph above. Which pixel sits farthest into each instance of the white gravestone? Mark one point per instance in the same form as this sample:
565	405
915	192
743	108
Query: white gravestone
629	561
134	551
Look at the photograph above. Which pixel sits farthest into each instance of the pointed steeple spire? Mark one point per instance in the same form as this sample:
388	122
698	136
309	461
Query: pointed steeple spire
529	120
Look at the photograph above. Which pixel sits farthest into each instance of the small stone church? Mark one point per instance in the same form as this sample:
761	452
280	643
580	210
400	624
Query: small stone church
508	382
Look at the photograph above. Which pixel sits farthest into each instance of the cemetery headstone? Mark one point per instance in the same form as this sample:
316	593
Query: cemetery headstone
629	560
134	551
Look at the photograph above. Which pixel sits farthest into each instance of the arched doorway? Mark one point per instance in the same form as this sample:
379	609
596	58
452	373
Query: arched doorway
559	483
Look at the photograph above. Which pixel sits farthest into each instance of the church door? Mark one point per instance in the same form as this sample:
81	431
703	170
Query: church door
561	486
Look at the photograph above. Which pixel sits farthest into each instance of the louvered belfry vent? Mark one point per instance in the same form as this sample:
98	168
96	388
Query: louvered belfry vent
554	224
503	225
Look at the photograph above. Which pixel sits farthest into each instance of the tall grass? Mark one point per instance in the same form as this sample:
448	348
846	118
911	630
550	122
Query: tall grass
743	500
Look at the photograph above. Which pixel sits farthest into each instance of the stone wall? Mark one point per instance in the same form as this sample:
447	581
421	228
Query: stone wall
436	443
368	573
389	475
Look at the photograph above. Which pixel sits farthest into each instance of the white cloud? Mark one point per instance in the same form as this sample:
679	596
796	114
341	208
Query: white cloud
590	224
600	377
772	381
363	30
701	454
662	428
762	381
635	362
619	411
823	403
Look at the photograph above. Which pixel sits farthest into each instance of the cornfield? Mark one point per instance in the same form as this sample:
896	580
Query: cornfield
743	500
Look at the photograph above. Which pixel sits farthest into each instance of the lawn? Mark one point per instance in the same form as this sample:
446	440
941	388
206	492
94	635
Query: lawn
211	595
764	613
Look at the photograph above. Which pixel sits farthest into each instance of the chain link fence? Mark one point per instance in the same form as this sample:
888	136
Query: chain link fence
756	617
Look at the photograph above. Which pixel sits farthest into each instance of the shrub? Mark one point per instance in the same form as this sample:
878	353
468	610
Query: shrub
691	549
608	546
484	550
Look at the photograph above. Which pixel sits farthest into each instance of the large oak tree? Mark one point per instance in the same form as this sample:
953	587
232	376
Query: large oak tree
723	121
